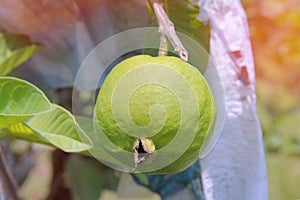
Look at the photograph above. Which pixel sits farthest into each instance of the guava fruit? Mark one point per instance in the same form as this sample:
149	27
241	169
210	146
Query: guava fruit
158	109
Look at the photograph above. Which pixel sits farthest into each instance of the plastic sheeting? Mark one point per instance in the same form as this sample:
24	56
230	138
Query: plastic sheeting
235	169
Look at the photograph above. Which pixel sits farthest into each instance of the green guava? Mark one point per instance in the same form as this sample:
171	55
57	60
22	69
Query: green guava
160	109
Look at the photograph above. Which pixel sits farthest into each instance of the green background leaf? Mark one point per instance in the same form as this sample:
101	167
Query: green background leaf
88	178
288	126
14	50
85	179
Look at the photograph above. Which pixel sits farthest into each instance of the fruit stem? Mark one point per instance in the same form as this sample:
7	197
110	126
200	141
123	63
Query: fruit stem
163	46
167	31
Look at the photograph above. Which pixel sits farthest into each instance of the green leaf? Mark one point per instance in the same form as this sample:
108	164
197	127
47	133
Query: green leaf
183	13
55	128
20	100
85	123
14	50
59	128
142	178
22	132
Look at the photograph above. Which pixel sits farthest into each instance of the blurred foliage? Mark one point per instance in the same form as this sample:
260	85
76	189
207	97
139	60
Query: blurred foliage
88	178
275	29
14	50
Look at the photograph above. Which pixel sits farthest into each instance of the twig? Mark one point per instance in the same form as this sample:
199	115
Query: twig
167	31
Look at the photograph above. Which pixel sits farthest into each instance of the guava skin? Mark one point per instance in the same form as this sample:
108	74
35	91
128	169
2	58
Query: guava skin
150	94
